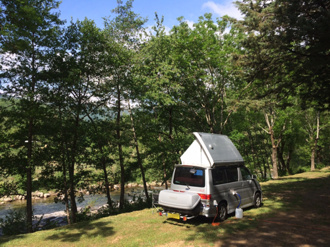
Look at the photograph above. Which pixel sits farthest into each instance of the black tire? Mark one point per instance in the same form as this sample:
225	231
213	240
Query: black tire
257	200
222	211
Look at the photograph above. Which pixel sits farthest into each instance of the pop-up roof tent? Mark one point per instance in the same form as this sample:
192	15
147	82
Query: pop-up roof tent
211	149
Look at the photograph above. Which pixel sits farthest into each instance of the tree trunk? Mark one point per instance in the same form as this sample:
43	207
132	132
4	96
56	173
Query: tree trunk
313	156
106	181
280	156
120	152
314	146
104	166
165	174
274	155
29	210
288	161
72	194
164	166
270	120
122	172
285	161
254	156
66	198
138	154
72	168
64	172
221	112
71	177
171	139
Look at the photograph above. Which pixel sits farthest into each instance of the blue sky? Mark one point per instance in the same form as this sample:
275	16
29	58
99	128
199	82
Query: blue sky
170	9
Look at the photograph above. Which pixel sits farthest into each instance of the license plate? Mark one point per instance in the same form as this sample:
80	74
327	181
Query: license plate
173	216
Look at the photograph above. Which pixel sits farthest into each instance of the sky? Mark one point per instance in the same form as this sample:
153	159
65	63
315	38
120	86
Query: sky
191	10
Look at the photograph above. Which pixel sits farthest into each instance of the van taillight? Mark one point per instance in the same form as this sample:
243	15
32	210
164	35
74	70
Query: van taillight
205	196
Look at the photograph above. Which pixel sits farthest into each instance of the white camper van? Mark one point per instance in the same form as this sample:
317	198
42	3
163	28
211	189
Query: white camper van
211	181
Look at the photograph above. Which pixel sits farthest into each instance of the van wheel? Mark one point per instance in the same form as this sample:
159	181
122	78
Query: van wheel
257	200
222	211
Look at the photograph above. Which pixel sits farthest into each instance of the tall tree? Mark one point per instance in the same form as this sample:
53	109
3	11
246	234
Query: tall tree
314	123
101	136
313	130
76	91
204	57
159	95
138	154
29	31
289	37
123	40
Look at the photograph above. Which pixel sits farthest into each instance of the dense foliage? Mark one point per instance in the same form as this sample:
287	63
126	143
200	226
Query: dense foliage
85	106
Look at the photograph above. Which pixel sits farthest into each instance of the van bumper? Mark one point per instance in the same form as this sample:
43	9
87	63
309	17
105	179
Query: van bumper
209	211
193	212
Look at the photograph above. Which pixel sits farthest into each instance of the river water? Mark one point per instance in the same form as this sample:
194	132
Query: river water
49	208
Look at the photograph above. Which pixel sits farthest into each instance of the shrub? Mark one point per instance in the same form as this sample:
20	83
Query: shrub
14	223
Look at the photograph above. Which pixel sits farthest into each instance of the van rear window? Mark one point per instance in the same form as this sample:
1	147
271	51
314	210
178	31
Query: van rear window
189	176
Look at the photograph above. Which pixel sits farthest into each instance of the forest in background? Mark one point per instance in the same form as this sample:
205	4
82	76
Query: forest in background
85	105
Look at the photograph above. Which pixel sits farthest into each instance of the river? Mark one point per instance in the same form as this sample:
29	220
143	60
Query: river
49	208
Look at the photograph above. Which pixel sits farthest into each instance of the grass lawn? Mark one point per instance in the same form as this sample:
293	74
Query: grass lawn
295	212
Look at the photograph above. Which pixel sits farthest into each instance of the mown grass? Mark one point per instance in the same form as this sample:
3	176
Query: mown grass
146	228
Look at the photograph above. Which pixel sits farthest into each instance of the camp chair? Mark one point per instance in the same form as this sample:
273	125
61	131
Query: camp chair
154	201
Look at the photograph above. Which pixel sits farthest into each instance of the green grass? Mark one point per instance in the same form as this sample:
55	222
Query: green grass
146	228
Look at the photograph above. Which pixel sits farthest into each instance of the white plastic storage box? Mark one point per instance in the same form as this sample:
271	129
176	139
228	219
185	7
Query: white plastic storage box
176	199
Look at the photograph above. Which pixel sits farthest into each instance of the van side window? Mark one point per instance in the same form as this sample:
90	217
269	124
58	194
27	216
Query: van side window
246	175
219	175
232	175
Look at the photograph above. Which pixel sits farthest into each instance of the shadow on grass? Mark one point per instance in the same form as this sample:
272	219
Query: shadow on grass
282	220
87	230
5	239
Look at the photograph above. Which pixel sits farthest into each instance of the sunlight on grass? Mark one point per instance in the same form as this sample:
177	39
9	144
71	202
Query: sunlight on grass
146	228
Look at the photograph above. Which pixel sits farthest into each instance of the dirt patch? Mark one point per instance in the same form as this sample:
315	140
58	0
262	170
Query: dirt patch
176	244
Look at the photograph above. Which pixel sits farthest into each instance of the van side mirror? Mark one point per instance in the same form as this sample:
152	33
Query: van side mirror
254	176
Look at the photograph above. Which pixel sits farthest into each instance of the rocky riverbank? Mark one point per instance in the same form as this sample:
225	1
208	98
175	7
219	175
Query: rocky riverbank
35	195
91	190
